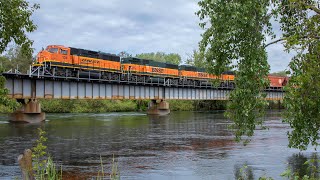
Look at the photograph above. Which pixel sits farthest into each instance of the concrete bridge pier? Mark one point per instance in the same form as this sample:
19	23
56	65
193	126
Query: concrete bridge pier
30	112
160	107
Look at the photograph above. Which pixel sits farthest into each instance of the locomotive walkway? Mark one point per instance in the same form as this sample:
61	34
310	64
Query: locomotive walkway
33	87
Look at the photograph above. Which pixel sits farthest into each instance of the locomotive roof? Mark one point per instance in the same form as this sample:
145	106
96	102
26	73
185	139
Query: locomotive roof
94	54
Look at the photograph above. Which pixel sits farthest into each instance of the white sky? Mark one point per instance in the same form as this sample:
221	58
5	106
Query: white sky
138	26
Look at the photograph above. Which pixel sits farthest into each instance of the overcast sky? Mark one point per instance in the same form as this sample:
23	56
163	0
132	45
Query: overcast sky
138	26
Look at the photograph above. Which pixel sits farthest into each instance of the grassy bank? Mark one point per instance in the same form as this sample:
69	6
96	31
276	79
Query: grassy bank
100	106
90	106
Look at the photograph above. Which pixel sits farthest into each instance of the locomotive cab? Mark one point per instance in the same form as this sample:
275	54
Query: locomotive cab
54	53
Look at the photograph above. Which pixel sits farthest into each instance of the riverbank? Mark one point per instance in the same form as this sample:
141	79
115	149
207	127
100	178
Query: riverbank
100	106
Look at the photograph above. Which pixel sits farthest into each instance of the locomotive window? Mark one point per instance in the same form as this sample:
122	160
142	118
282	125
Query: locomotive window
53	50
65	52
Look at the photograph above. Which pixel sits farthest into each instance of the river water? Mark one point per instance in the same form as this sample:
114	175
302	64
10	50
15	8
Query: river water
183	145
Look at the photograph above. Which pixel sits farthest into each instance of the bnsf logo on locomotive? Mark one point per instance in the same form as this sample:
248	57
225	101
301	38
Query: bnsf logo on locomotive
202	74
89	61
157	70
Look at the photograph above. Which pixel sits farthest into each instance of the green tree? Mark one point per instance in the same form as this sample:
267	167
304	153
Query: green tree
15	23
235	34
279	73
15	59
196	59
161	57
300	24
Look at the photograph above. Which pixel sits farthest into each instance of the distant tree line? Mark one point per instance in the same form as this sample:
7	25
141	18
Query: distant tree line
14	58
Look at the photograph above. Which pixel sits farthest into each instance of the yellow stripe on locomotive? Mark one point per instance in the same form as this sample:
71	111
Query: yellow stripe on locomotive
187	71
149	67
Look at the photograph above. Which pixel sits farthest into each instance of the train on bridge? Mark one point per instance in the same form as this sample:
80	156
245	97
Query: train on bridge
62	61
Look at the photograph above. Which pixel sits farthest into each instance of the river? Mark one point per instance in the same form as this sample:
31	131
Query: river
183	145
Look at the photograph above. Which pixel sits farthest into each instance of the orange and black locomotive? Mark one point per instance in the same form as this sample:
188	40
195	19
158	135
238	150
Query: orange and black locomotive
61	61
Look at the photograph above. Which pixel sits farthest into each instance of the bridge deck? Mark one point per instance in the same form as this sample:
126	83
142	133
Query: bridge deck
29	87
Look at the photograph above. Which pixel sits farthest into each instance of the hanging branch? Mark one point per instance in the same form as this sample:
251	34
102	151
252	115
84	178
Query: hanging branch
274	42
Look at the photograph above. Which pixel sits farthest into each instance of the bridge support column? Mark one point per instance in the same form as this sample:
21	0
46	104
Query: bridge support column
158	108
30	112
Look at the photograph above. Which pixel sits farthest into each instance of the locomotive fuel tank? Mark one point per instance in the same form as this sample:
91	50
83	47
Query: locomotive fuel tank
89	74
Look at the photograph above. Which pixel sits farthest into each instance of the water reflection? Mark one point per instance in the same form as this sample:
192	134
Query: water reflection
302	165
183	145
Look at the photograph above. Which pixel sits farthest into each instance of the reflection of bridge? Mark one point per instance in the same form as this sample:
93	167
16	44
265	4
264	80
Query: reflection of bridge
45	87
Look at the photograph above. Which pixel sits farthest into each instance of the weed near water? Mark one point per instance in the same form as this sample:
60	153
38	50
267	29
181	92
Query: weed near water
43	165
114	175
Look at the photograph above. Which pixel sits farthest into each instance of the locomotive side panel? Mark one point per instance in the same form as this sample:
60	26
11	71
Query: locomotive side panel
86	59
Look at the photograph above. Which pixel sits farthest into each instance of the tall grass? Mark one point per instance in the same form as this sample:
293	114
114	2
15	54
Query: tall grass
114	175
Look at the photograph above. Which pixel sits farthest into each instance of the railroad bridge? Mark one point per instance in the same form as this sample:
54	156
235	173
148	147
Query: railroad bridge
27	88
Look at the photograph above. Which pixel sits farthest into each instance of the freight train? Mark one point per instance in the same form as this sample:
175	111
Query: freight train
57	60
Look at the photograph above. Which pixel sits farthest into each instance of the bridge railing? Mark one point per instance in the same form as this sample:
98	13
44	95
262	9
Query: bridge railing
28	87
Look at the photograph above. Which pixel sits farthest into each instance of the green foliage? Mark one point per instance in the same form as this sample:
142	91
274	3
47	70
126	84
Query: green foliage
265	178
114	175
90	106
51	173
300	24
15	20
294	175
197	60
210	105
38	155
180	105
279	73
235	36
302	102
161	57
44	167
234	33
6	104
312	167
245	173
15	59
15	23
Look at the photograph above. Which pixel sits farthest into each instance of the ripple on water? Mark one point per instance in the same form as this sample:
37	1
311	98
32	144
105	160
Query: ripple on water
183	145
